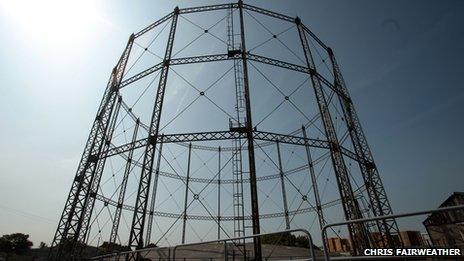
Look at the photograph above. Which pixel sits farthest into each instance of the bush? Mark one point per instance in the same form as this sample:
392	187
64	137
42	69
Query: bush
16	243
286	239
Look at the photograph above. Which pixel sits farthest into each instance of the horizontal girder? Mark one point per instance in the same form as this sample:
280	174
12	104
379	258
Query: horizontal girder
225	57
155	24
108	201
222	181
208	8
269	13
227	135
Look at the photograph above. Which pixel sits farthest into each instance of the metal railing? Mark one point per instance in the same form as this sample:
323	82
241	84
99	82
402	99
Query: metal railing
311	248
361	220
126	253
224	241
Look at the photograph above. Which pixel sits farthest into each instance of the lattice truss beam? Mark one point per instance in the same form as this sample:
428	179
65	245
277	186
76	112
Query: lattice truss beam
141	182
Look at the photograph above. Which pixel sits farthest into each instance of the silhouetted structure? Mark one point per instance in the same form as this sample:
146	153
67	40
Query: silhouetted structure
446	229
328	90
412	239
337	244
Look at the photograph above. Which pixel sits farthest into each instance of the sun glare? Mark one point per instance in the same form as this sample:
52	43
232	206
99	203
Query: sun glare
51	20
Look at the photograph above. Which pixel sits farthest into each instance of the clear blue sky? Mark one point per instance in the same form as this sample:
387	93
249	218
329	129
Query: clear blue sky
402	60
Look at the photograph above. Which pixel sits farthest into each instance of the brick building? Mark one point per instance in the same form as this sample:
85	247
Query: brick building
447	229
337	244
409	239
412	239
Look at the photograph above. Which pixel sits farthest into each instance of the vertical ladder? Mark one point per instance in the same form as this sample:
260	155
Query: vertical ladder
238	124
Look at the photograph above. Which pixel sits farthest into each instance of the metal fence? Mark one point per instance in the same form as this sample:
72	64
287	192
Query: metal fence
228	251
223	251
363	220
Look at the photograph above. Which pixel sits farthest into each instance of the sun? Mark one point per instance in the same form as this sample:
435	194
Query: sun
51	20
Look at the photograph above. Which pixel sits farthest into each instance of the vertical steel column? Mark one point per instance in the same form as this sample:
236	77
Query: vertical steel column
140	210
153	195
71	218
251	149
122	189
186	193
312	173
237	159
85	222
219	194
358	232
377	196
282	184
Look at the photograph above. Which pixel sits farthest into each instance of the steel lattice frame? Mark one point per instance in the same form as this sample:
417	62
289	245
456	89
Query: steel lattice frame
75	222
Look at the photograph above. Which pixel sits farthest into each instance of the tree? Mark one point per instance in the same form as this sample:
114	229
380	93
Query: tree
151	245
286	239
107	247
67	244
16	242
5	245
42	245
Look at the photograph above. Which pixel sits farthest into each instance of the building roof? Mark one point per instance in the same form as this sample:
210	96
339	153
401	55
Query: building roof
449	217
